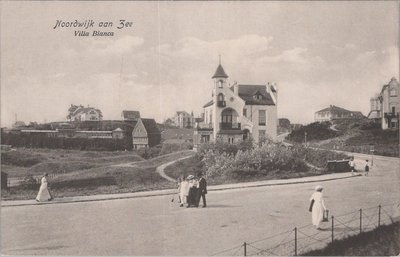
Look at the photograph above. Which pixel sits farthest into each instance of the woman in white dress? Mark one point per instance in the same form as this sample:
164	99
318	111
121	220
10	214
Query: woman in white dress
318	207
184	191
44	194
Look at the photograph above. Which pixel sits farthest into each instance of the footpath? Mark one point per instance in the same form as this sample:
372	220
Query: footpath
76	199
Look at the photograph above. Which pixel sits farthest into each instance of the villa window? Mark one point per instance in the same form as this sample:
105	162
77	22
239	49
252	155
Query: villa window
220	83
262	117
245	113
393	92
221	97
393	109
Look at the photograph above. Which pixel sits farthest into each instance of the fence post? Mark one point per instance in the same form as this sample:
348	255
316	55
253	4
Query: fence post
295	241
360	220
379	215
244	249
332	229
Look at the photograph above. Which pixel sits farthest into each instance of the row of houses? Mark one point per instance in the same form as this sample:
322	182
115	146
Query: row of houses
137	132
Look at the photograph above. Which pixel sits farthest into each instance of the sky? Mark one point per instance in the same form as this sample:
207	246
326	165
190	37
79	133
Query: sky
318	53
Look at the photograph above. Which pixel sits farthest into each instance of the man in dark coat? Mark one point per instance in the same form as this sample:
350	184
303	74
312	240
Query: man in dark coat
202	190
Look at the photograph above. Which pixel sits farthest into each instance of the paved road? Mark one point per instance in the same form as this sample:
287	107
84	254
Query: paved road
155	226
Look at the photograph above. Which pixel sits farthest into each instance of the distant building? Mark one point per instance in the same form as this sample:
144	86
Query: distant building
80	113
238	112
183	119
130	115
376	111
389	99
145	134
334	112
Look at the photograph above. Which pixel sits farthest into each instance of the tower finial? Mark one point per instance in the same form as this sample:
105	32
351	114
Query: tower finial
219	59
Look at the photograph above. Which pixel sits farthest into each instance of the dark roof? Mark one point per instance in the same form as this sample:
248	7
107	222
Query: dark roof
247	93
182	112
334	108
151	126
130	114
220	73
87	110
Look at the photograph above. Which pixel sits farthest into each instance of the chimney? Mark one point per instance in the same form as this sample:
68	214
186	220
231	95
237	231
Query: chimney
235	88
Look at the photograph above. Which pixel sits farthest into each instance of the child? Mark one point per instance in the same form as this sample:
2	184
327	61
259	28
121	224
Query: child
352	165
366	168
183	191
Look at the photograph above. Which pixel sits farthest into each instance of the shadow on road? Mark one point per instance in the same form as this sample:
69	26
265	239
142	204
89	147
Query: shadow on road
221	206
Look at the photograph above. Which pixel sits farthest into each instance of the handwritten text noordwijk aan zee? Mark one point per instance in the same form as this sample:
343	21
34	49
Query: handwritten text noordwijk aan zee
87	28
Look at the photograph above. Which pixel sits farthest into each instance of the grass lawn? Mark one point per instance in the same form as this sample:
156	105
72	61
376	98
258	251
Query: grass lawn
88	173
383	241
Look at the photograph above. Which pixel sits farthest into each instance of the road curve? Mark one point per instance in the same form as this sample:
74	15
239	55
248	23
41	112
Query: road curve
160	169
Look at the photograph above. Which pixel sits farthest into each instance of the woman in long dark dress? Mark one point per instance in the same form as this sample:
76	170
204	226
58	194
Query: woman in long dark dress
193	187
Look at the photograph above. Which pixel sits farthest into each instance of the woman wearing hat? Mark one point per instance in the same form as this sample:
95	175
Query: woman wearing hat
192	197
44	194
317	207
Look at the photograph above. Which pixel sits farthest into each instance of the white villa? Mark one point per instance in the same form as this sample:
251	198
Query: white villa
237	112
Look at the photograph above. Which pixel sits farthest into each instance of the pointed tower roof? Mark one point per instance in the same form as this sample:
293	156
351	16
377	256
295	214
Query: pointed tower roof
220	73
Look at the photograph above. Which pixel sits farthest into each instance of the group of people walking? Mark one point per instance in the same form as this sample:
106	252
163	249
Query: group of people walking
191	190
352	165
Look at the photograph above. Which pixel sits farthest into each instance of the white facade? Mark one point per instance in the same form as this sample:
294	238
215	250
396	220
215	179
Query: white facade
390	104
238	112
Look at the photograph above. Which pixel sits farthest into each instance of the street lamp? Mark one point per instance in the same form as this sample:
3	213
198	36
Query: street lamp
372	153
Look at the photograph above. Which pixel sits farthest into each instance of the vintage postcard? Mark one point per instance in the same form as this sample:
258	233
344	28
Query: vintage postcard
200	128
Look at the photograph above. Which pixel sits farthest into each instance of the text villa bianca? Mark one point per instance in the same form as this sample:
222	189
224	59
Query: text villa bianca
87	28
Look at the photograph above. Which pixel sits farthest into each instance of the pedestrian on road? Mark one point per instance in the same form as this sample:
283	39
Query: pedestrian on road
352	166
184	191
44	193
317	207
193	186
366	170
202	191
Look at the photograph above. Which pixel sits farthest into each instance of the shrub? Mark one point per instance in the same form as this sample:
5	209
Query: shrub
175	147
222	147
254	161
150	152
315	131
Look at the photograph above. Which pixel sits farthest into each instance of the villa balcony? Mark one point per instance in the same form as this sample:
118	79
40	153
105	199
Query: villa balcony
230	126
390	115
204	126
221	103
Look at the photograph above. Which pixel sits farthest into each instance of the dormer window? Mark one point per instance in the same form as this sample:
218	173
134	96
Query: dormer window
258	96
